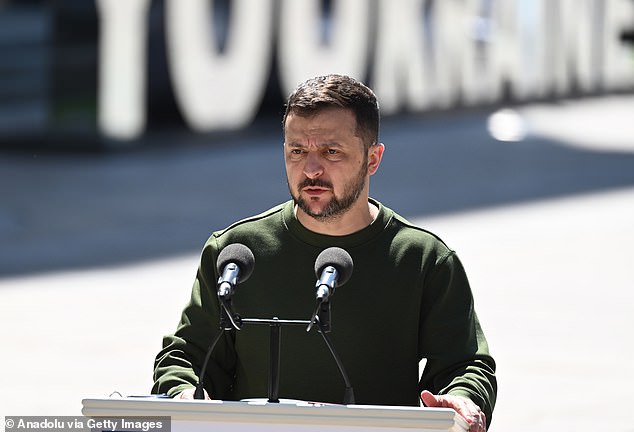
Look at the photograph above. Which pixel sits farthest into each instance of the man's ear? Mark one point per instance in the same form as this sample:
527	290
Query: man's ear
375	155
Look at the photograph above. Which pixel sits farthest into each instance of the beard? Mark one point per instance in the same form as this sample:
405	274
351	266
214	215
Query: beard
337	205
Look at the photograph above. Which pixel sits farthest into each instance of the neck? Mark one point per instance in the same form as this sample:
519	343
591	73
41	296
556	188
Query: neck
353	220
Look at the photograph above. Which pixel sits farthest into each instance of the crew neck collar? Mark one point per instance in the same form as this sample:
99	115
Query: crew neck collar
324	240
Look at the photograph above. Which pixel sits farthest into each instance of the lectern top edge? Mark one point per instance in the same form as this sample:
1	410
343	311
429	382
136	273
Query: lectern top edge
301	413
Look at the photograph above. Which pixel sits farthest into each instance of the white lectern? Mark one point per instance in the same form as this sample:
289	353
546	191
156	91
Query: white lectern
286	416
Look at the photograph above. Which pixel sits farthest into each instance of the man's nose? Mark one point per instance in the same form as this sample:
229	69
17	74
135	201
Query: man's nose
313	167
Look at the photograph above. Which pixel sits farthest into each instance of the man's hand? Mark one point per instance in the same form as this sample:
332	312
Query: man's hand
466	408
189	394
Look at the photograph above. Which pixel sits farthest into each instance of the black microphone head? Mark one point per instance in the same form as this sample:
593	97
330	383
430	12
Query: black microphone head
339	259
240	255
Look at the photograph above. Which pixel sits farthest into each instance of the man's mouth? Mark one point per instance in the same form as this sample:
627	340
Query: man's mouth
315	191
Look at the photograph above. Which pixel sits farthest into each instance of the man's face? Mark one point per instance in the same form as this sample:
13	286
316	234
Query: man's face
326	165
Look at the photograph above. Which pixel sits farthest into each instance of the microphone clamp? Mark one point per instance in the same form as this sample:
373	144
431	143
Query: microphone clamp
326	284
228	280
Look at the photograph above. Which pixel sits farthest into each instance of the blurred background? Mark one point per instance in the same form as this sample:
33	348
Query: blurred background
129	131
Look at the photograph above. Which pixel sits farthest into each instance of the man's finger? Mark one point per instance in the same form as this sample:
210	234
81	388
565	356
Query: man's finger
429	399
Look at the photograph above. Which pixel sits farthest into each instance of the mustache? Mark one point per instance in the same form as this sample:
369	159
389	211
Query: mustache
315	183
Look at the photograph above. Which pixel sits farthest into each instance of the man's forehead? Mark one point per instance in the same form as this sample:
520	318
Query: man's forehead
331	121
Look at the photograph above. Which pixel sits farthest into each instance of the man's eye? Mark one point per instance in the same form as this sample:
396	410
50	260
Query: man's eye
333	154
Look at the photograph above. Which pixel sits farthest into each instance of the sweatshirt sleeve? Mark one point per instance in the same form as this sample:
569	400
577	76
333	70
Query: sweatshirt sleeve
451	339
180	361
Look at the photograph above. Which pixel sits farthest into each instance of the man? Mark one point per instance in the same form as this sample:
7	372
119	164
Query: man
408	298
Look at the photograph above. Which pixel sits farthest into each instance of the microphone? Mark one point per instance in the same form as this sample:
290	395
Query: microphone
333	268
235	264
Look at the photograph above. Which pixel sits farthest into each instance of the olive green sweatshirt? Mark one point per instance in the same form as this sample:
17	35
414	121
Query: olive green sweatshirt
408	299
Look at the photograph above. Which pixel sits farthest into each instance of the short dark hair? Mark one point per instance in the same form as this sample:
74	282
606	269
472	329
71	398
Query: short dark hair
338	91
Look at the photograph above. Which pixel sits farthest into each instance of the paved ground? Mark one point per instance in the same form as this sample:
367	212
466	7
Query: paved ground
97	253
